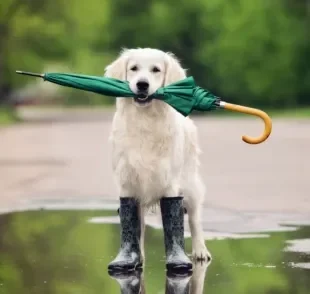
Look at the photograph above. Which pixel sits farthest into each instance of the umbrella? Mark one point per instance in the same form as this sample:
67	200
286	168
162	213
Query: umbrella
184	96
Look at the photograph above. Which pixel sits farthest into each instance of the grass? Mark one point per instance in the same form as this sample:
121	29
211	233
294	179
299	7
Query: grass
300	112
7	116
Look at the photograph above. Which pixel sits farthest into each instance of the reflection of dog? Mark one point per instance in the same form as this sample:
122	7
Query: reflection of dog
155	149
189	283
130	283
198	277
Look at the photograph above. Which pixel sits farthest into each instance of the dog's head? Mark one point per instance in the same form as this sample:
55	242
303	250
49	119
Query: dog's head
146	70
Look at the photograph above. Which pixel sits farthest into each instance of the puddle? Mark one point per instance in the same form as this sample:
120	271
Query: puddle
67	252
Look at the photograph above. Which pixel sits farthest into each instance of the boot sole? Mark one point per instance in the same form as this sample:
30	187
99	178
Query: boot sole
182	268
125	268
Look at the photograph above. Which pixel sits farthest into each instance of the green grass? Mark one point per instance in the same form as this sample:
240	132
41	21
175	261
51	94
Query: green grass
300	112
7	116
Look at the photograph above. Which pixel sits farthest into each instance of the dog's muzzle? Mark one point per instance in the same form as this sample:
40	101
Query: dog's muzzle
142	92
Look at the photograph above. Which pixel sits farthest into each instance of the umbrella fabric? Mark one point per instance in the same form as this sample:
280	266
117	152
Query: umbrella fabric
99	85
184	95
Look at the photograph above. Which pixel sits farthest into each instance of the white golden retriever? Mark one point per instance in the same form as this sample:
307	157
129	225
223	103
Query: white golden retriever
155	149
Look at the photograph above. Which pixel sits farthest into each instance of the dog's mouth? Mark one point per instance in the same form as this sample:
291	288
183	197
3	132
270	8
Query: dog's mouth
143	98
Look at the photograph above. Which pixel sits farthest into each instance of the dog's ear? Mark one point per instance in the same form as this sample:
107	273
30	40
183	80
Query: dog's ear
117	69
174	70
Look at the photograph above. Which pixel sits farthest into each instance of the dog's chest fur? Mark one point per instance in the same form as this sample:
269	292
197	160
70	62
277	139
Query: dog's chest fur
146	159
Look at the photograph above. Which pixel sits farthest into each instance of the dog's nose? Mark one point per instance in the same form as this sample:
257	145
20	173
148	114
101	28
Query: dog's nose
142	85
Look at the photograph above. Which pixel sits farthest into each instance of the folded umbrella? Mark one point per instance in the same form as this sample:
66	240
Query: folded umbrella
184	96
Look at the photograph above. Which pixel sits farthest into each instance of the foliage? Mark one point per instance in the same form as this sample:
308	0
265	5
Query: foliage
248	52
7	115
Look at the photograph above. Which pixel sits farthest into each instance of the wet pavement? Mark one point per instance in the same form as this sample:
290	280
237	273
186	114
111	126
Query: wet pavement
65	155
67	251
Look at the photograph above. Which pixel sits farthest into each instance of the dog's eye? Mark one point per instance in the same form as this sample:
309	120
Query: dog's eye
134	68
155	69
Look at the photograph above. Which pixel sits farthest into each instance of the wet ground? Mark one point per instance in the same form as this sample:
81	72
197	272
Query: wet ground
68	251
256	209
66	155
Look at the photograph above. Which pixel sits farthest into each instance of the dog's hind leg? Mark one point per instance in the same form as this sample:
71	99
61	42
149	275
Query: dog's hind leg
142	223
193	198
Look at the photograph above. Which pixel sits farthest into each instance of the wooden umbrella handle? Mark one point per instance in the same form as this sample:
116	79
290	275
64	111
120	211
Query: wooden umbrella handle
248	110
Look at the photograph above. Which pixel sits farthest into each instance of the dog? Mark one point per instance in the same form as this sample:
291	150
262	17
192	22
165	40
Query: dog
155	149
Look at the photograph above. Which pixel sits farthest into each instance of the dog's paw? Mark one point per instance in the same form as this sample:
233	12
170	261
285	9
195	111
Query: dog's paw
201	253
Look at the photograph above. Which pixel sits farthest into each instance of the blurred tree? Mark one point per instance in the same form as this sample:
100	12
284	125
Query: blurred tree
168	25
300	10
129	25
247	52
253	53
179	29
250	52
31	32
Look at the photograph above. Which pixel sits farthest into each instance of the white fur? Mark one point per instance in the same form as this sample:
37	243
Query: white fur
155	148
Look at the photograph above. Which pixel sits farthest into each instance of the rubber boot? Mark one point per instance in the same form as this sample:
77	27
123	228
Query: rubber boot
172	212
129	256
130	283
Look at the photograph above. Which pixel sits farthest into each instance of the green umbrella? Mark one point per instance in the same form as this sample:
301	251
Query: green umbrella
184	96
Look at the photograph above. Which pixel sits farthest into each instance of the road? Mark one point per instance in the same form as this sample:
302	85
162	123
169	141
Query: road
62	159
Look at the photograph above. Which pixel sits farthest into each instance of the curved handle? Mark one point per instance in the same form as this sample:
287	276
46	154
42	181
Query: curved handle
248	110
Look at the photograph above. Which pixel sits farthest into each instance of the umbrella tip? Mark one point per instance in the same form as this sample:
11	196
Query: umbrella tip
29	73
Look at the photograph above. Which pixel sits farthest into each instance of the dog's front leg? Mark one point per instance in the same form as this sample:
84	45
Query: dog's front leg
141	210
172	212
129	256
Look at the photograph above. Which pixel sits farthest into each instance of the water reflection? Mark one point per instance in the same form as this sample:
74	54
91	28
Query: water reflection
130	283
176	283
60	252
